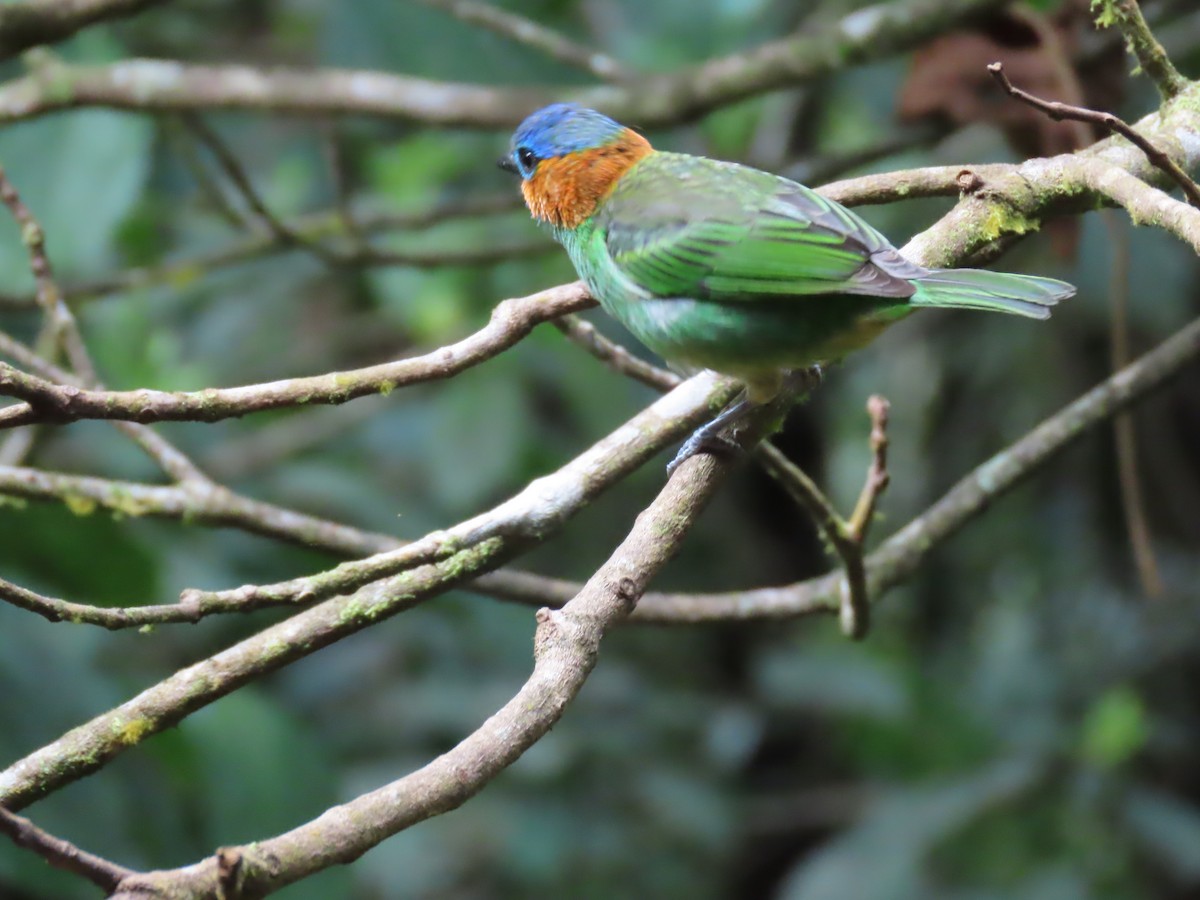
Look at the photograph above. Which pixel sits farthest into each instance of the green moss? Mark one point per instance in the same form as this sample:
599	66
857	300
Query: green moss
79	504
471	560
1001	220
351	612
1105	13
133	731
343	384
387	387
122	503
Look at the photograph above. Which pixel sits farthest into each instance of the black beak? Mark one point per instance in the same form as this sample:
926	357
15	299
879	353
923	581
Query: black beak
508	165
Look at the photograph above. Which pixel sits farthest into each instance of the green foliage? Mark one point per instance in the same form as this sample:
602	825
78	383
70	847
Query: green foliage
1114	729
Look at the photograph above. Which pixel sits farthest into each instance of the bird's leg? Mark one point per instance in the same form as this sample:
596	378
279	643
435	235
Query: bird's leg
709	439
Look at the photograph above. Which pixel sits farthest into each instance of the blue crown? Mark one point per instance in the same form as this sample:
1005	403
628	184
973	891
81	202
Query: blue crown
563	128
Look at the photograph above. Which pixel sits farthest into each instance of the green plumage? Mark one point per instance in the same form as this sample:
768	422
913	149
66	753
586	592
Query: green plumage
721	266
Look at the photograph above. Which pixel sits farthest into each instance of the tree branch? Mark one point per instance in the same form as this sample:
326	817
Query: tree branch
904	552
510	321
1059	111
536	513
33	22
566	646
584	334
532	34
312	227
62	854
283	234
845	537
149	85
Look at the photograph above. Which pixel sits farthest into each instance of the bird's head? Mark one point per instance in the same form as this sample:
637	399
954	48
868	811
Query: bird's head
568	158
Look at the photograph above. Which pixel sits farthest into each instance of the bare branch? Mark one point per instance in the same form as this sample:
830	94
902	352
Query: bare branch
169	459
877	476
62	854
1124	435
566	646
64	331
846	538
904	552
33	22
531	34
524	520
510	321
159	86
1059	111
584	334
535	514
284	235
213	505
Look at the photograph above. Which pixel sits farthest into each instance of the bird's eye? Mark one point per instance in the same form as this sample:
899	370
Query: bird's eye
527	157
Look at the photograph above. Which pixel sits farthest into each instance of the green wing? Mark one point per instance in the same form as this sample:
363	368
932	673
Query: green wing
684	226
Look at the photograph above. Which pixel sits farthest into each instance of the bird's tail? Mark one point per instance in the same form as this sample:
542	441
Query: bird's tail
1023	295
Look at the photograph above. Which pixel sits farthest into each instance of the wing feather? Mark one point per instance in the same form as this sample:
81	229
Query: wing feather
751	237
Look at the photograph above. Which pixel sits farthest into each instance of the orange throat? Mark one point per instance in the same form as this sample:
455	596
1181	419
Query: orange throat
565	190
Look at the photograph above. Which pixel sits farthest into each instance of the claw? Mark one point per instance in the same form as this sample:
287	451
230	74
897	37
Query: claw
703	441
709	439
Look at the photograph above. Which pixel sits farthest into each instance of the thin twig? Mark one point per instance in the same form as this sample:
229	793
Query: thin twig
62	854
171	460
532	34
63	330
1125	438
212	194
511	321
339	177
1059	111
877	476
584	334
846	538
49	298
233	170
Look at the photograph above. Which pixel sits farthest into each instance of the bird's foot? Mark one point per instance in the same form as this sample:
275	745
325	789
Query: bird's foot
708	438
703	441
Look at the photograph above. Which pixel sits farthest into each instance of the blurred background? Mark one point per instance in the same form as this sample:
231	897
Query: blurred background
1022	722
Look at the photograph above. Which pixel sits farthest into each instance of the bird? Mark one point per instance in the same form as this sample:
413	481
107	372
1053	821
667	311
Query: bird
717	265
